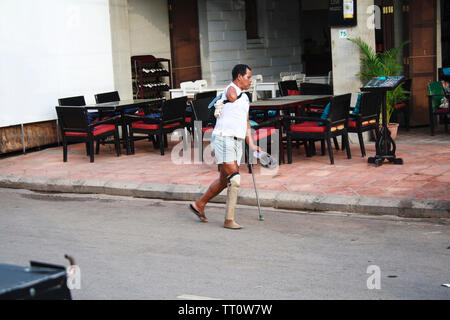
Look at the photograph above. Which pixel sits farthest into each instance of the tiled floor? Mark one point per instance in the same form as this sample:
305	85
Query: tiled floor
425	173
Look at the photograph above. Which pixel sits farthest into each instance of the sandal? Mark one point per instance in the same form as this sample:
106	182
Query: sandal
202	217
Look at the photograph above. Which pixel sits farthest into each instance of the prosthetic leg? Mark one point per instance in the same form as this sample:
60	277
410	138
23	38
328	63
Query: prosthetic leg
234	182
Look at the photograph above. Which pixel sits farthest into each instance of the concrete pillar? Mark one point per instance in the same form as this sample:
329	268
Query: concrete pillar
346	54
120	43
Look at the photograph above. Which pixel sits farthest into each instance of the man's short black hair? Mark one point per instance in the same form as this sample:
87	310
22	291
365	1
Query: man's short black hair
239	69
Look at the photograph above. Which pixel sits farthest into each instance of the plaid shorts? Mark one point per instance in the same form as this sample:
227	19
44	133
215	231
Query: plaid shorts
227	149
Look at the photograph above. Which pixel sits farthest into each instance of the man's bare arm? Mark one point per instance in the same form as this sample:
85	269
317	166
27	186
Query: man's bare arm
248	137
231	94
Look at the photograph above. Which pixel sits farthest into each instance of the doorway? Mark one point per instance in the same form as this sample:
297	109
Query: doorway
315	37
184	41
412	20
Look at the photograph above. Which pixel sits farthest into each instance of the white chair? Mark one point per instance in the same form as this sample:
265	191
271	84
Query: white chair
293	75
257	78
201	84
299	77
189	88
284	76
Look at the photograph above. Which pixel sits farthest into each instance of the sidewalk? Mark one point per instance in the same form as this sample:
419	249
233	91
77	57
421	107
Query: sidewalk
418	188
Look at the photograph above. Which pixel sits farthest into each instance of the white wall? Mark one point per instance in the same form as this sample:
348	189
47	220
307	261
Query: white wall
121	51
149	28
51	49
223	41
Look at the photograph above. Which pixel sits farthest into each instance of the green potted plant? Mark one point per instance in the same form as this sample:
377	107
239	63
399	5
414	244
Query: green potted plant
381	64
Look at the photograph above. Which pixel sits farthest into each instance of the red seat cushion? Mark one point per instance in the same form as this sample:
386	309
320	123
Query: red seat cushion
206	129
308	126
311	126
441	110
98	130
364	123
140	113
293	92
152	126
263	133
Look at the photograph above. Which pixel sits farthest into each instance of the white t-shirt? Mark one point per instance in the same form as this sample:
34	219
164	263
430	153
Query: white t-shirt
233	120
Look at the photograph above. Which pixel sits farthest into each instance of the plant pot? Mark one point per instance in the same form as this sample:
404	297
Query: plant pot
393	128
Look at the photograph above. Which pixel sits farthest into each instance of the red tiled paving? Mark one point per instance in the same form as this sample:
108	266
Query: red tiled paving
425	173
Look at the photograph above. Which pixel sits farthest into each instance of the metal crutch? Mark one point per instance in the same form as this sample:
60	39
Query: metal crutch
261	218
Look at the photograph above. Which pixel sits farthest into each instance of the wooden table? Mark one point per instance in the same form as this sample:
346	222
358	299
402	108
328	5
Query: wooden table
121	106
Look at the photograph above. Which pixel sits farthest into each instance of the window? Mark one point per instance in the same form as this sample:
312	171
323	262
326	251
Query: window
251	19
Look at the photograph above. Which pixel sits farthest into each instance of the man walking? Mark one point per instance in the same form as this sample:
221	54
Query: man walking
232	127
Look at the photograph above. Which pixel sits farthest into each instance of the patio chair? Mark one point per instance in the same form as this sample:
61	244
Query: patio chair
436	94
286	75
112	97
201	84
72	101
257	78
321	128
107	97
288	87
172	117
364	118
210	95
310	88
299	77
79	101
190	88
75	127
205	94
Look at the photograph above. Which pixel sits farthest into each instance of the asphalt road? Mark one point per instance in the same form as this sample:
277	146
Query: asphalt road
130	248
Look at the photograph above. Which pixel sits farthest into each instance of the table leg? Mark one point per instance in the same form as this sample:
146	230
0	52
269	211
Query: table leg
126	142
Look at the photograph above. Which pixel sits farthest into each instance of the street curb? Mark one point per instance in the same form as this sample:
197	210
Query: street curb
410	208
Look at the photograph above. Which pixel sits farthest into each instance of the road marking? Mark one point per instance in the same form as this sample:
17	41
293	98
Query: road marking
194	297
